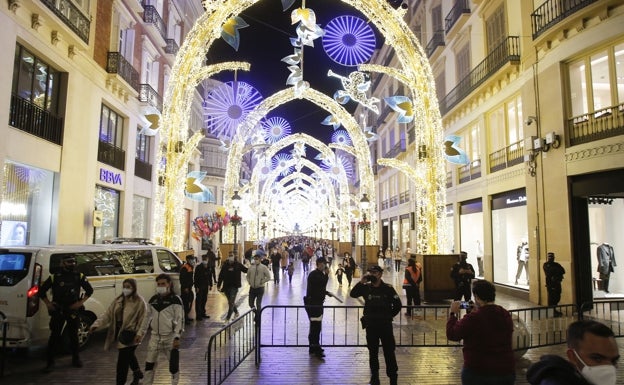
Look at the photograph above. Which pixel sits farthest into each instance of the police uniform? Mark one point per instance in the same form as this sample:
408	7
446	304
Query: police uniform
65	286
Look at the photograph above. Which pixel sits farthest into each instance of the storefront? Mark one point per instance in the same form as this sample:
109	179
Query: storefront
107	204
510	241
28	205
405	232
471	233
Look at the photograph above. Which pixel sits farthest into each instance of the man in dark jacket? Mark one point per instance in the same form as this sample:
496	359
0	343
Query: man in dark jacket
186	285
462	273
381	304
592	358
229	282
554	275
203	283
315	296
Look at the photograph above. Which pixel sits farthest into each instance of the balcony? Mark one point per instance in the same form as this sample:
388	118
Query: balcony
605	123
385	204
396	150
507	52
111	155
436	41
404	197
172	47
149	95
71	16
143	169
460	8
507	157
34	120
214	171
470	171
117	64
552	12
449	179
151	16
394	201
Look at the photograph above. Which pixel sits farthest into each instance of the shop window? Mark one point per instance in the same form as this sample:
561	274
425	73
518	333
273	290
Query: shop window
107	201
140	211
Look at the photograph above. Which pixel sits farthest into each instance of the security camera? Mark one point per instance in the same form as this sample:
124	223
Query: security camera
530	120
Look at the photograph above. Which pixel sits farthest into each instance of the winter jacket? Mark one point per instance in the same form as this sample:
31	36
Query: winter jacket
165	314
554	370
134	311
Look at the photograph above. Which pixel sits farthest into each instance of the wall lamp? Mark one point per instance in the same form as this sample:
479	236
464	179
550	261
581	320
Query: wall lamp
535	145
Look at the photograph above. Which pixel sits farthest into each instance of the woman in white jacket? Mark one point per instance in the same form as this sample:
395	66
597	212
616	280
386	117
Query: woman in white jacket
124	317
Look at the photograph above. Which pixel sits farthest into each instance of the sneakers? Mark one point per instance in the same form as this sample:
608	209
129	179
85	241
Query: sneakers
236	314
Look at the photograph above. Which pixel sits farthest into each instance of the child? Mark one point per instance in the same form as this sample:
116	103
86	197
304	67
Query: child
339	273
291	271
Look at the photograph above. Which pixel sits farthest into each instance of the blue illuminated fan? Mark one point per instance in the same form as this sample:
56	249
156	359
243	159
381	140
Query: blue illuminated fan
349	40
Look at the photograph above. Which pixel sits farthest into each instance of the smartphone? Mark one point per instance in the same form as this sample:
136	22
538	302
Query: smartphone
464	305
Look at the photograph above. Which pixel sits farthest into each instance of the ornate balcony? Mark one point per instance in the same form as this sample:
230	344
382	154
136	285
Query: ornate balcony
470	171
460	8
71	16
507	157
149	95
601	124
552	12
142	169
117	64
34	120
436	41
111	155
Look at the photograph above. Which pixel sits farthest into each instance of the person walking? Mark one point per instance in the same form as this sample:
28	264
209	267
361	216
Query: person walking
276	259
339	273
315	296
349	267
554	275
186	286
229	282
398	258
64	309
291	271
381	305
203	283
487	332
462	273
124	316
213	262
165	317
257	276
411	284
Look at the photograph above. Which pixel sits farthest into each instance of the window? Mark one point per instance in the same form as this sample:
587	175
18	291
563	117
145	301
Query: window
436	19
143	146
111	127
107	201
126	44
496	28
13	268
505	124
168	262
440	83
462	60
140	210
35	81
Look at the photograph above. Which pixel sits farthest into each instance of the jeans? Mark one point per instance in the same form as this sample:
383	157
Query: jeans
200	302
126	359
230	293
255	297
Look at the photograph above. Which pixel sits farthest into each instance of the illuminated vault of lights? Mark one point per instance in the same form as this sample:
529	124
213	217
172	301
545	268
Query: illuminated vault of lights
349	40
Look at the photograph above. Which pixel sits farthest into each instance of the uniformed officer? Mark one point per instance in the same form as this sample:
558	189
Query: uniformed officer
65	307
381	304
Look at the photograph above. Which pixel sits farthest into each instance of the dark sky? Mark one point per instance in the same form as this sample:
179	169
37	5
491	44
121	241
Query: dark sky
266	41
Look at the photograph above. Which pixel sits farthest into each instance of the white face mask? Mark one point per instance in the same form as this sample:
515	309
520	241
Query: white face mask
205	263
599	374
126	292
162	289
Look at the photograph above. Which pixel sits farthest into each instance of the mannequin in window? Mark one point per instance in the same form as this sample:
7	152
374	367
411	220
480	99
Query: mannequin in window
480	258
522	255
606	263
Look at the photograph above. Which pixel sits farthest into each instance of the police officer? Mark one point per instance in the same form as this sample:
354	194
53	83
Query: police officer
462	273
186	285
65	307
554	275
381	304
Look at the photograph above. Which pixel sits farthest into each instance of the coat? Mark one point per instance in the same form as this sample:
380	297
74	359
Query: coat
134	310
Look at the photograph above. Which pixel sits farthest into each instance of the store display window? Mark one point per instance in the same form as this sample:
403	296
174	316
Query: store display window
606	220
107	201
471	233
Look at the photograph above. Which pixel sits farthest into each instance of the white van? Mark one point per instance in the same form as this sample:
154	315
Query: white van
23	270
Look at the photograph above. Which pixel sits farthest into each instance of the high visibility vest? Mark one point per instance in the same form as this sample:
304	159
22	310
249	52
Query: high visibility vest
414	272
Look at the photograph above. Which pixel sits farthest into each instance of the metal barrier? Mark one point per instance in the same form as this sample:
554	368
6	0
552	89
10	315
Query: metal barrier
610	313
5	324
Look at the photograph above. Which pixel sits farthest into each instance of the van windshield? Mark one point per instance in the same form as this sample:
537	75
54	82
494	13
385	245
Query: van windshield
13	267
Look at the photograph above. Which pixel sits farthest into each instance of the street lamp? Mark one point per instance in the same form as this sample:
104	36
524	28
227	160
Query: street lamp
235	220
315	232
273	228
364	205
263	220
332	219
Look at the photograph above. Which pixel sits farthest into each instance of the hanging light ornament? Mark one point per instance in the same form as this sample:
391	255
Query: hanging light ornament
275	128
341	137
349	40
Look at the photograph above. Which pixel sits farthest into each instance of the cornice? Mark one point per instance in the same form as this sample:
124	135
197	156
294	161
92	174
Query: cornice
595	152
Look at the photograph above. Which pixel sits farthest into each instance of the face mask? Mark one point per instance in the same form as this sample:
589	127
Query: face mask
205	263
599	374
230	259
253	261
162	289
372	279
126	292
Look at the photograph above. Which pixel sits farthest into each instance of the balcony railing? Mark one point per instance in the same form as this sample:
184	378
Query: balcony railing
117	64
461	7
507	52
142	169
394	201
385	204
71	16
111	155
600	124
470	171
151	16
34	120
214	171
507	157
404	197
172	47
552	12
449	179
436	41
398	148
149	95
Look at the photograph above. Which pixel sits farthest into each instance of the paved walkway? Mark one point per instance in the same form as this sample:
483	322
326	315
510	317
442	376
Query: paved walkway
279	365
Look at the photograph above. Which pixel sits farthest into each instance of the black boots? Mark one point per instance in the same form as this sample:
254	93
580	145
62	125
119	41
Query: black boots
136	376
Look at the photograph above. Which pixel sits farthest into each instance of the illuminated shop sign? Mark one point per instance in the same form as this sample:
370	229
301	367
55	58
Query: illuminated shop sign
509	199
110	177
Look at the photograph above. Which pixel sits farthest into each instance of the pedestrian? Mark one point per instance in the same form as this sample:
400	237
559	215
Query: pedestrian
313	301
349	267
213	262
257	276
203	283
554	275
381	304
592	355
411	284
291	271
276	259
165	317
186	286
339	273
398	258
124	318
487	332
462	273
229	282
305	259
64	309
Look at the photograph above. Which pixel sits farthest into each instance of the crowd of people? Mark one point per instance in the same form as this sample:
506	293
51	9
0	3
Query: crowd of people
486	329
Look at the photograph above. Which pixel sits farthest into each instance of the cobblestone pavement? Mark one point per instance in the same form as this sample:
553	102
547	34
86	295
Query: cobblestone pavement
434	365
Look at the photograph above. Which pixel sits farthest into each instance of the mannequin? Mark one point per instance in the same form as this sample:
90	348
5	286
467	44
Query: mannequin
522	255
480	258
606	263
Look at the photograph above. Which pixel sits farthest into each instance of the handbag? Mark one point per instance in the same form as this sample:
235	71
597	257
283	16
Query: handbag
126	337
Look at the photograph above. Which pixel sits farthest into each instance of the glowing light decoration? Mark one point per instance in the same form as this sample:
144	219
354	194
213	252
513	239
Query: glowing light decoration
355	87
341	164
275	128
404	106
230	31
453	152
349	40
280	162
196	190
228	105
341	137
